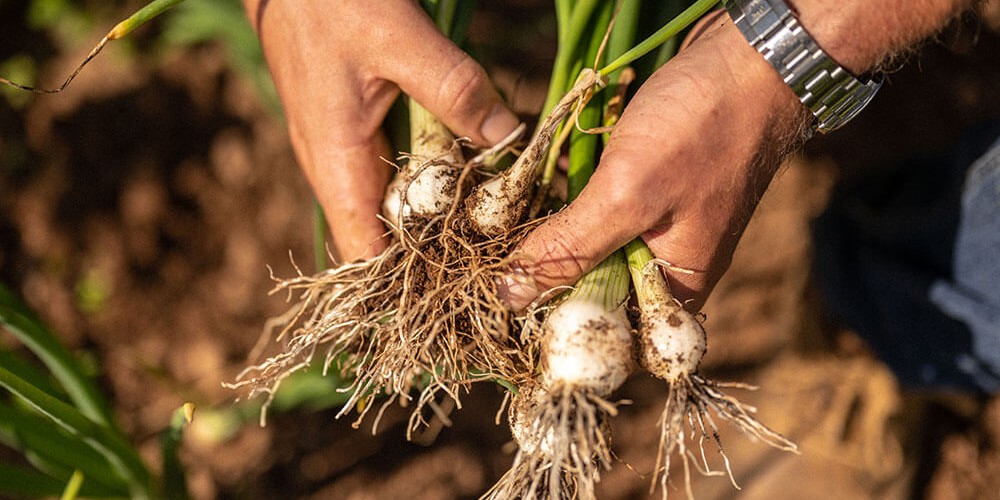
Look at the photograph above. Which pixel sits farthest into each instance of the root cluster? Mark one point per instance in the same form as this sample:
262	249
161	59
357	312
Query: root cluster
422	318
564	439
686	417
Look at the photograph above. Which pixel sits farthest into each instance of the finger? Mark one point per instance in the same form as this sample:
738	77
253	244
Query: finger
698	255
447	81
574	240
340	145
349	182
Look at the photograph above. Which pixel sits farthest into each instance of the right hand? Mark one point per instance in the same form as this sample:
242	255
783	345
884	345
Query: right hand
684	168
339	66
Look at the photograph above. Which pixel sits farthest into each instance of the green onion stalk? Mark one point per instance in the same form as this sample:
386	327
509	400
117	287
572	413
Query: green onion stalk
496	206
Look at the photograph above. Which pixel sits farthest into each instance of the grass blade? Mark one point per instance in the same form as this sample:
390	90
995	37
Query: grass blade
73	486
151	10
109	443
141	16
52	450
18	481
17	318
20	366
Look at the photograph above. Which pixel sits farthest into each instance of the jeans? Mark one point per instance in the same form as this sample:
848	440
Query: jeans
910	259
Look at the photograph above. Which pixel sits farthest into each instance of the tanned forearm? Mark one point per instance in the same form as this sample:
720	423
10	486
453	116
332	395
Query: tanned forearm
863	35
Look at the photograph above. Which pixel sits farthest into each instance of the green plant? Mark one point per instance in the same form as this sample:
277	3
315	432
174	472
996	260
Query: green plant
58	419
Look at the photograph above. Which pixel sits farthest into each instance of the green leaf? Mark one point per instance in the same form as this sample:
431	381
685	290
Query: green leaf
73	486
17	318
54	451
110	444
21	481
20	366
24	482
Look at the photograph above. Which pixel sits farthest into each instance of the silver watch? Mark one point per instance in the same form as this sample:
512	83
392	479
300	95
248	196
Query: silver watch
832	93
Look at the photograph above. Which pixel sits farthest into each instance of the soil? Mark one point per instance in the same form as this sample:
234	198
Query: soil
140	210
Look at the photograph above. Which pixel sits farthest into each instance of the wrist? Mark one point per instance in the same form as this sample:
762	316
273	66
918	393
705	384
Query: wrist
760	82
831	93
861	35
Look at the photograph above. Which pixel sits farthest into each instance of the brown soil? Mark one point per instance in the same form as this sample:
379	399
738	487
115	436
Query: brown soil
167	188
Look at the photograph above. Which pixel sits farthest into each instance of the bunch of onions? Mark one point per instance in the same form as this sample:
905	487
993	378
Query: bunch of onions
427	311
424	313
560	420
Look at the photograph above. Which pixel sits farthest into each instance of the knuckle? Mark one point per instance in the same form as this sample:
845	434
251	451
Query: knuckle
461	88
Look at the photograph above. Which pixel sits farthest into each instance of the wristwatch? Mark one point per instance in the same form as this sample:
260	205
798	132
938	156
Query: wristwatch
832	93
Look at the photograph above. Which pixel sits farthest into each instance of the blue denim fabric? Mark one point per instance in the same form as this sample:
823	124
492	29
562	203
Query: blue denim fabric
972	296
910	259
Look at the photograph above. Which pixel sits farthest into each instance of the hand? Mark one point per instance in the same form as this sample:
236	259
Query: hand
699	143
684	169
338	66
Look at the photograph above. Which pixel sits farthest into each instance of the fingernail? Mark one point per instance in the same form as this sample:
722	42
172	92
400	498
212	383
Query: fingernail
516	288
499	124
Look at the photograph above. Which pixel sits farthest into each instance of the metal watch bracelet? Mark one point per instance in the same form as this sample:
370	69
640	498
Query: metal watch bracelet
832	93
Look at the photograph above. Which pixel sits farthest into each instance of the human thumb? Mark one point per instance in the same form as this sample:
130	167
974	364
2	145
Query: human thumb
450	84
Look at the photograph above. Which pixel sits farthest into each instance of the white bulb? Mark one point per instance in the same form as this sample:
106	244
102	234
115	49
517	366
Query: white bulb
673	343
587	346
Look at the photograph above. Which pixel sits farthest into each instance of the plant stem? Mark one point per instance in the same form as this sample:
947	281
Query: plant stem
638	255
668	31
607	283
573	21
623	34
650	284
174	479
444	18
670	9
319	236
583	144
73	486
151	10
